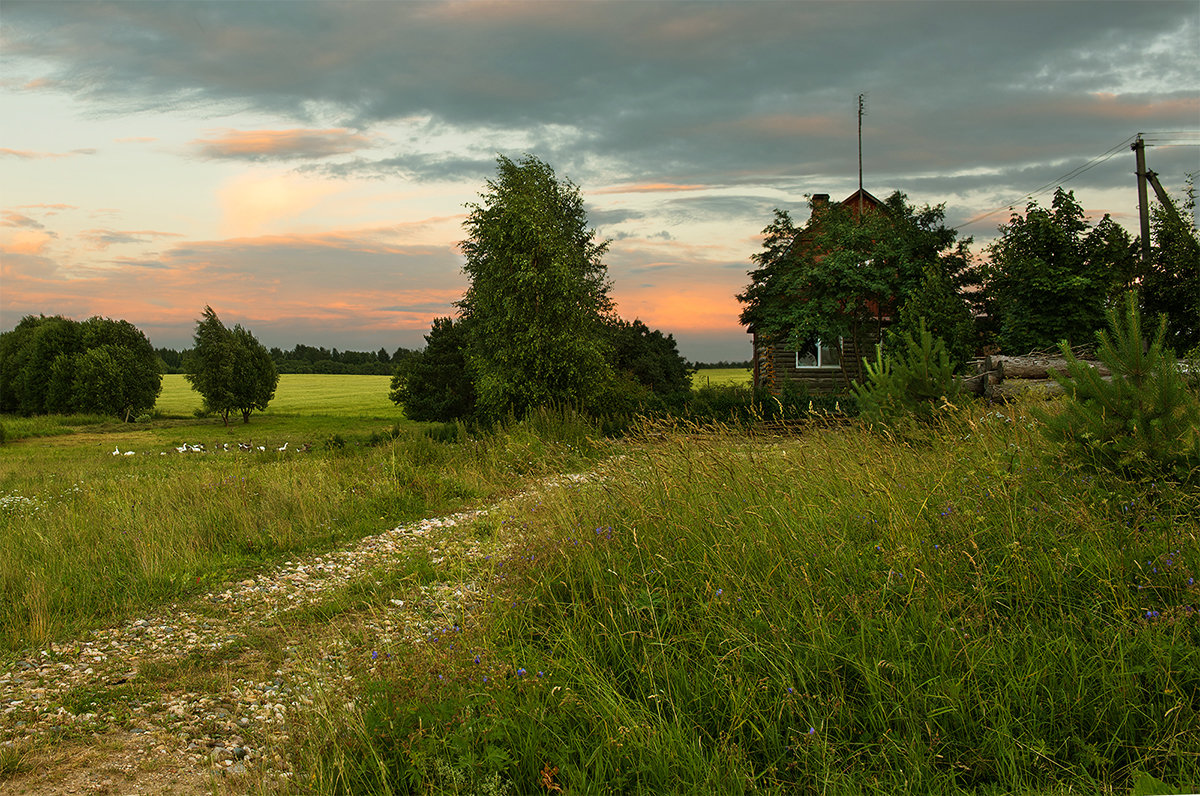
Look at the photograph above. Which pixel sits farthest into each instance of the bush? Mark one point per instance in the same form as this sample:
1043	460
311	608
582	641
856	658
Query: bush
1191	369
936	303
437	384
913	383
1143	422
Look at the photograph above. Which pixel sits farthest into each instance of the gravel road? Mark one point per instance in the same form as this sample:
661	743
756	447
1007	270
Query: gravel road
84	717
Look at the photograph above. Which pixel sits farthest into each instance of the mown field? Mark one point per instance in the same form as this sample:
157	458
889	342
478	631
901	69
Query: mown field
309	393
719	377
718	610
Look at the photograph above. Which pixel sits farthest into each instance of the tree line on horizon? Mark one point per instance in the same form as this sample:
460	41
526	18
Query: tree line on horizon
537	326
303	358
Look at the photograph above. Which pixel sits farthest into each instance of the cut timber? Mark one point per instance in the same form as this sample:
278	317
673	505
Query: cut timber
1035	367
977	384
1015	388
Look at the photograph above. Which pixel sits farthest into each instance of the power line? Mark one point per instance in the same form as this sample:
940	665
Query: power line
1096	161
1161	138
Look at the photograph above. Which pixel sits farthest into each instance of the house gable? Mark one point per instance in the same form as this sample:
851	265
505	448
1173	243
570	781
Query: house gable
778	363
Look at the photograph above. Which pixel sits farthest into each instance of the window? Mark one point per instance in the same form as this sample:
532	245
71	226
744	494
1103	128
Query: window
818	354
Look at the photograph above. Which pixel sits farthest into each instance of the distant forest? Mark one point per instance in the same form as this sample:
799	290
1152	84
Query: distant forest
309	359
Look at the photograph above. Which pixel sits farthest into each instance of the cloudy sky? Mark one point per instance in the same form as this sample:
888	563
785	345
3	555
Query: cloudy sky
303	166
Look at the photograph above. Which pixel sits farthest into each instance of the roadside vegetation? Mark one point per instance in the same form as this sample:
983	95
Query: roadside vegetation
722	608
99	519
674	586
827	613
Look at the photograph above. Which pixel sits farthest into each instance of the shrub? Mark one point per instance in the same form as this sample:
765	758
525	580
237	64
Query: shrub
936	303
912	383
1143	422
436	384
1191	369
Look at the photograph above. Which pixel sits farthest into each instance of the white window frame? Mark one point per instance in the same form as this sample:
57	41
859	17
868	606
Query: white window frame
821	348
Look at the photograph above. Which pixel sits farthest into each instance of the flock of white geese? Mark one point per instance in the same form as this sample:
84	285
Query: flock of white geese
244	447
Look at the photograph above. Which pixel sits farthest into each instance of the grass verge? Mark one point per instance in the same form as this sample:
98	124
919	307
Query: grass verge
87	537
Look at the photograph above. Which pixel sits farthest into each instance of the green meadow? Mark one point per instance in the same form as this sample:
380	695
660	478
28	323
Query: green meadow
721	377
715	610
309	393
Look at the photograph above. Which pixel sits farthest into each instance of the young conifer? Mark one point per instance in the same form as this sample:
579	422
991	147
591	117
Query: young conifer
1143	421
915	381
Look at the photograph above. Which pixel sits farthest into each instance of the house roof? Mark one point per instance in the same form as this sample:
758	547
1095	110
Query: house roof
867	196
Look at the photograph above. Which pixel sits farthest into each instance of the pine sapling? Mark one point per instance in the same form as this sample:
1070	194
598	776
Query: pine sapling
1141	422
916	381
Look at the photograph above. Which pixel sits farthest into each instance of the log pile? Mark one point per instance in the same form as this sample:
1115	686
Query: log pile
1003	378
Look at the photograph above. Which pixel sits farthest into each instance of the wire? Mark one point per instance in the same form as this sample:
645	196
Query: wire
1057	181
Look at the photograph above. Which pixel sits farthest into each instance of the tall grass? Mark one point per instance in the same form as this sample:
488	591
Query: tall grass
86	537
834	613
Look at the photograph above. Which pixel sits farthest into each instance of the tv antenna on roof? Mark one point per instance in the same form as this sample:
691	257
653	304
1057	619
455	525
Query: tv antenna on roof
861	109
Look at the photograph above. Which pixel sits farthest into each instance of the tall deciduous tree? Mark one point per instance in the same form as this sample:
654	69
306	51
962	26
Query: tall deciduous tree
1171	281
1050	276
230	369
538	299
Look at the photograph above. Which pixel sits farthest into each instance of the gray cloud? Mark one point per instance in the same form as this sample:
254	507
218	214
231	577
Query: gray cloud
974	104
424	308
707	92
103	238
13	219
132	262
413	166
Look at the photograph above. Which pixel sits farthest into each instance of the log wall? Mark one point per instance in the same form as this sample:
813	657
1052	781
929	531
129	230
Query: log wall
775	365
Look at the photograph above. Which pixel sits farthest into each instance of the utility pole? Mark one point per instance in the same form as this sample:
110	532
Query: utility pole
1139	150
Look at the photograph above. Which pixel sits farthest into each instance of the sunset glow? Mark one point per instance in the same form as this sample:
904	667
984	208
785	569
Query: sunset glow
305	168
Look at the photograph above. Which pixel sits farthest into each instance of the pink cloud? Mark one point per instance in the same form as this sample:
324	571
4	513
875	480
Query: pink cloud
649	187
26	241
314	287
683	307
275	144
29	154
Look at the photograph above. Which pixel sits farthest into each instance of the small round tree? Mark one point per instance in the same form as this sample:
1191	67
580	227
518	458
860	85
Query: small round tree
230	369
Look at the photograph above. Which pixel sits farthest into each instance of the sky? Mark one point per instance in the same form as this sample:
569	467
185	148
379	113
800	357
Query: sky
305	167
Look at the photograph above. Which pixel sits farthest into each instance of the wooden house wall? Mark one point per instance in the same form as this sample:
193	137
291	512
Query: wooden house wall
775	365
